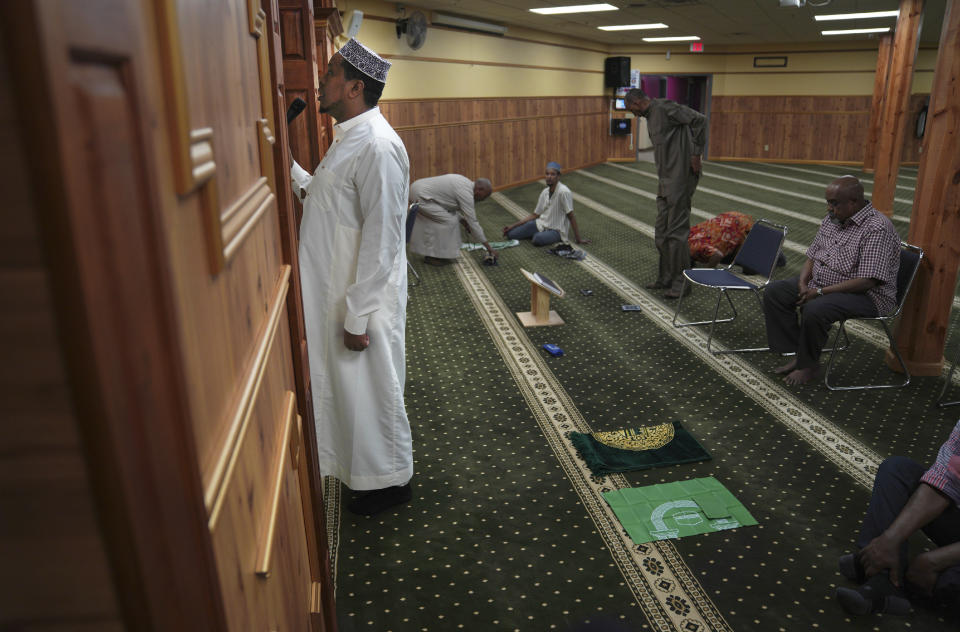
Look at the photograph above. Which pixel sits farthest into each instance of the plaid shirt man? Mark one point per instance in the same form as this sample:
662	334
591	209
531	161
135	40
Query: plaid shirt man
864	246
944	475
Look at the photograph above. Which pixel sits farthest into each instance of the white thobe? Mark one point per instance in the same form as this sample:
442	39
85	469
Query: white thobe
354	277
551	210
443	201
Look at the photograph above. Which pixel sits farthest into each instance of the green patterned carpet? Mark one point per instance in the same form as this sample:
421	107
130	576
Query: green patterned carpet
507	529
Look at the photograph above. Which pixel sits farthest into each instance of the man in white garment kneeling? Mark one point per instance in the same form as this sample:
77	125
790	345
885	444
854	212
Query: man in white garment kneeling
441	204
354	278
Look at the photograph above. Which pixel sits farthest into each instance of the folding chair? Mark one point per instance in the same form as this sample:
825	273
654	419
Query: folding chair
910	258
411	218
946	385
758	253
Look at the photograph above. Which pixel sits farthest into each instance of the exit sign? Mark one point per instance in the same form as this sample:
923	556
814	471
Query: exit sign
696	47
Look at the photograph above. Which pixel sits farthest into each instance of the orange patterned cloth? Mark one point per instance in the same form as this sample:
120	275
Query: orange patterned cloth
723	234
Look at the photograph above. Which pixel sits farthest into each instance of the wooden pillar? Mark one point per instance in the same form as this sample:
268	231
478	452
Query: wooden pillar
880	78
896	104
935	223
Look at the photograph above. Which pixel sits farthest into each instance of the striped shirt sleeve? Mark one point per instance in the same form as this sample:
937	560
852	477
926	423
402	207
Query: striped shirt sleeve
944	475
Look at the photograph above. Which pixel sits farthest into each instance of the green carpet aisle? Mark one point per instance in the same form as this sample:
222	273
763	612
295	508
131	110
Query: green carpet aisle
505	531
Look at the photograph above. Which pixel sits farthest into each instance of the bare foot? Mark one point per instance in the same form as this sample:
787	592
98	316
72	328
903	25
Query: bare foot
786	368
802	376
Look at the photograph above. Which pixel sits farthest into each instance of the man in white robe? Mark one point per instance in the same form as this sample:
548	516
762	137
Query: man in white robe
354	279
442	204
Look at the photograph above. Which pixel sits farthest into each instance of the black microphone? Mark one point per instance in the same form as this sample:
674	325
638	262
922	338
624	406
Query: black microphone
295	109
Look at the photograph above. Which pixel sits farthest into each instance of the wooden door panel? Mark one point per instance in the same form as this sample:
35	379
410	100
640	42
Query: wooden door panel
289	551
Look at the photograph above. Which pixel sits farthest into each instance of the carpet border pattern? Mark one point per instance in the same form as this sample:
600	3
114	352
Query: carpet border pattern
666	590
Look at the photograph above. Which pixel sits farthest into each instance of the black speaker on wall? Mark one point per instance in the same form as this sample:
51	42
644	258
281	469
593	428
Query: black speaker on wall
616	72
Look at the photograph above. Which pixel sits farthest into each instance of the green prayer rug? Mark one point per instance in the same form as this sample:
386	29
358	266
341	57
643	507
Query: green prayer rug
678	509
496	245
638	449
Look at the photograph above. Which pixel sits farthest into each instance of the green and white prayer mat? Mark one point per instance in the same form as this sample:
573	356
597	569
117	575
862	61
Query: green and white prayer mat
496	245
637	449
678	509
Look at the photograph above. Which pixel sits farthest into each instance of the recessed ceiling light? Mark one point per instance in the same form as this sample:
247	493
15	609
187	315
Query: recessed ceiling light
856	31
682	38
577	8
856	16
633	27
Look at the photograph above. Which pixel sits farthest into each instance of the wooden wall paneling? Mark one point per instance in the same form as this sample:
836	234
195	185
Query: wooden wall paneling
814	129
235	328
56	569
327	27
313	515
90	115
301	78
289	227
508	140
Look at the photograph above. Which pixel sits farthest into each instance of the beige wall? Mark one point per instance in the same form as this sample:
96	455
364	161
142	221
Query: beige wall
528	63
502	66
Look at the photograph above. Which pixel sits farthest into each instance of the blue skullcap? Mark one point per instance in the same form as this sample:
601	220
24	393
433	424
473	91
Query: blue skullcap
553	165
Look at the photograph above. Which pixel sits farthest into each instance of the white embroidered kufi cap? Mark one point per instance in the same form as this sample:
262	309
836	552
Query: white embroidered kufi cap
365	60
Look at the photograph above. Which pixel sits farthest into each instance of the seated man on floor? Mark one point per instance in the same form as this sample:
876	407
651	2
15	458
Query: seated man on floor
851	270
552	218
907	498
440	205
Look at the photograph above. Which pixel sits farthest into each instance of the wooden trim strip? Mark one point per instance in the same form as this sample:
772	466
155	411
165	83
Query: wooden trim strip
791	112
265	547
554	97
240	218
797	72
469	62
226	462
408	128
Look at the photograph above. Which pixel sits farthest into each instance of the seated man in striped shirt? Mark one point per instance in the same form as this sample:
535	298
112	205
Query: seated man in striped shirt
851	270
908	498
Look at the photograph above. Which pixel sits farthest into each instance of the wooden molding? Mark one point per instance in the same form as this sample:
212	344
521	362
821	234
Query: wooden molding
497	64
194	167
407	128
226	461
238	220
284	451
256	18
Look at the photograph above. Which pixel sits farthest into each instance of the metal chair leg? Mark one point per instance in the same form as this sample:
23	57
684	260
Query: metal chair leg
946	385
896	353
744	349
415	274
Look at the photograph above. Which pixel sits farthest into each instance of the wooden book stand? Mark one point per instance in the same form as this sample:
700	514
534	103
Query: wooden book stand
540	313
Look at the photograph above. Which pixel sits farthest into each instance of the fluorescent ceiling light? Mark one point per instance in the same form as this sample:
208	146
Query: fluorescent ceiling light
577	8
856	31
633	27
682	38
856	16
